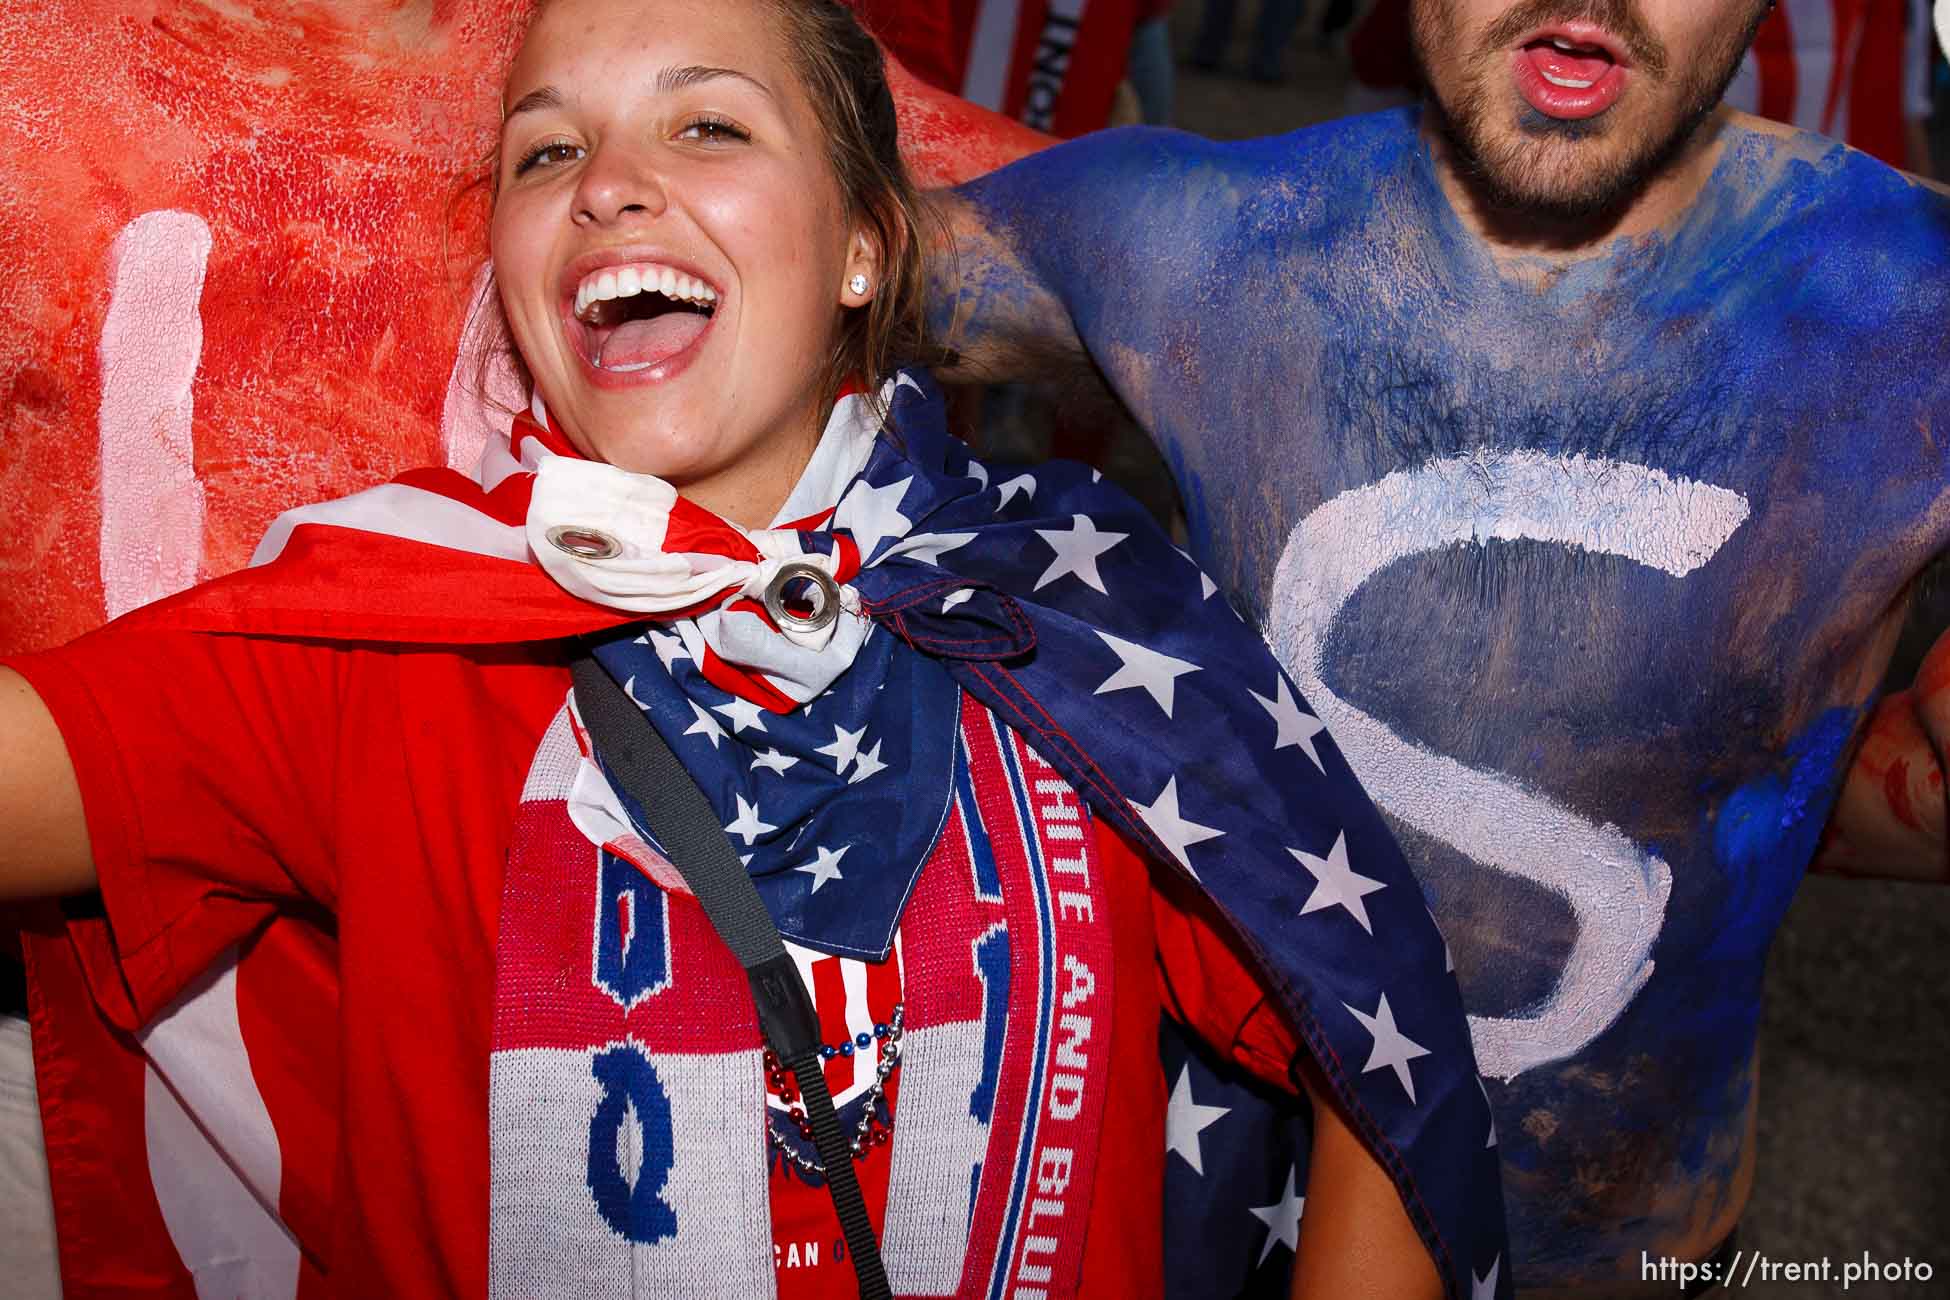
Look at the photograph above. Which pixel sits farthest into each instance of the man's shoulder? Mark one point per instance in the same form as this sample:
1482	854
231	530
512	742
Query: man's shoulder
1808	188
1371	145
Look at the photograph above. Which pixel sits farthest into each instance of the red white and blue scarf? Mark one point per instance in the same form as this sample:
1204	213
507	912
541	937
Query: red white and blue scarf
1050	599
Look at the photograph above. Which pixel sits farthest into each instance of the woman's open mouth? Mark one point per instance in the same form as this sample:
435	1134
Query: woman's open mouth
640	319
1570	75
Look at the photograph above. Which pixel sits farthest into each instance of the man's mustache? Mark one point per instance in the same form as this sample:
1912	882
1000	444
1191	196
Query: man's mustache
1619	17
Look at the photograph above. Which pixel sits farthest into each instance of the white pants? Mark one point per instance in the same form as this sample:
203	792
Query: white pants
27	1257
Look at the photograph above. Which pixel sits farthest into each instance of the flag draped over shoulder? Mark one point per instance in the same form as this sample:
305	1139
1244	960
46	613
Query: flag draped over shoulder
1050	598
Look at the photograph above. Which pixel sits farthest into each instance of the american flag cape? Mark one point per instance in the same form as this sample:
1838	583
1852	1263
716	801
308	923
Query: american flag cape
1052	600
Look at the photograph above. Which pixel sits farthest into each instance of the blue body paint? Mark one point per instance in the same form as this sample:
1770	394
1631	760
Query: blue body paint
1297	319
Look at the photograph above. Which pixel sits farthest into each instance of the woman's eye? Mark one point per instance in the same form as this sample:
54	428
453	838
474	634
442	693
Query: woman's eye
548	155
715	130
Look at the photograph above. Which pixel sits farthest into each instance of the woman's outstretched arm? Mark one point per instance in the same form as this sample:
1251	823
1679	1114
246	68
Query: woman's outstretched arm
43	834
1355	1238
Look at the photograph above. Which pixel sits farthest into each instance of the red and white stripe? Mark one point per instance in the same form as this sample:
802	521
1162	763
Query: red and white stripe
1855	70
704	575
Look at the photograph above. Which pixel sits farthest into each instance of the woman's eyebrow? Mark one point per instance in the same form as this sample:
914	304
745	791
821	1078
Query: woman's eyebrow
668	82
534	101
675	79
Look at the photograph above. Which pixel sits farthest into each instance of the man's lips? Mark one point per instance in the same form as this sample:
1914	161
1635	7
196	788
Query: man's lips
1571	72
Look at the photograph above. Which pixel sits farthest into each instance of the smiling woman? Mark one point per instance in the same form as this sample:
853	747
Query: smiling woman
920	696
664	305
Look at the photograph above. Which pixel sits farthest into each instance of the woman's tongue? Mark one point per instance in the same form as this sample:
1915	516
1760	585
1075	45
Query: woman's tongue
638	344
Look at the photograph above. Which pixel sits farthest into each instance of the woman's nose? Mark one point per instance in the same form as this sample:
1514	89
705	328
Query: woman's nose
617	185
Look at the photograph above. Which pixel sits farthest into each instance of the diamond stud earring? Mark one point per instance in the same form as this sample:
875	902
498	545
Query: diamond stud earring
858	284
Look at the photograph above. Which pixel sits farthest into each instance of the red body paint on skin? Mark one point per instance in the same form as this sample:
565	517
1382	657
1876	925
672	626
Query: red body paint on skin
326	152
1895	788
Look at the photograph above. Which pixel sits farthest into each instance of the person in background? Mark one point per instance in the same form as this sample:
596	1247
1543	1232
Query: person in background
1054	65
1277	20
1150	72
1381	60
923	37
1338	16
1855	70
27	1255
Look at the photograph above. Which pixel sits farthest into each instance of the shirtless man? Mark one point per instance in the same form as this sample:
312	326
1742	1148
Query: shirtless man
1575	441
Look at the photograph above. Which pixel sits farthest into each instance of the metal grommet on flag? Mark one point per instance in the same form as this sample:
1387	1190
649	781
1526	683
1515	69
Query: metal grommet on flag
813	595
584	543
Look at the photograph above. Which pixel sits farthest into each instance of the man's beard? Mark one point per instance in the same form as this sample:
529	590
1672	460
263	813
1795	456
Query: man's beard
1560	170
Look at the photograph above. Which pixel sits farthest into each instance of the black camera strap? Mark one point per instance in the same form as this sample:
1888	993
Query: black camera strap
682	820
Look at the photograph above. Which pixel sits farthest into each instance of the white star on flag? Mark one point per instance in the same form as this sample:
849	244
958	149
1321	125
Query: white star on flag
1206	585
825	865
866	763
960	596
1177	833
1185	1119
1282	1217
928	547
845	745
746	823
669	647
741	713
1338	884
873	514
772	761
1484	1288
1076	552
1023	483
977	471
1392	1048
1293	726
1156	673
705	726
629	689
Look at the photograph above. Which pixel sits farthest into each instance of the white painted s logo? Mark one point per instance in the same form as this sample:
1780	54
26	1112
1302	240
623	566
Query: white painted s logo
1616	890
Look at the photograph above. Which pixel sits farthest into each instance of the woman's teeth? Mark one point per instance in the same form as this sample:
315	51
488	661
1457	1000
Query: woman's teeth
629	281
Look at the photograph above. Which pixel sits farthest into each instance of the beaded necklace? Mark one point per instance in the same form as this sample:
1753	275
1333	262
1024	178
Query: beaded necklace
874	1128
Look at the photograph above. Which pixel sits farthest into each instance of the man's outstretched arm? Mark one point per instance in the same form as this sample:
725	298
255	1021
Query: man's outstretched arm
1003	322
1891	821
1040	268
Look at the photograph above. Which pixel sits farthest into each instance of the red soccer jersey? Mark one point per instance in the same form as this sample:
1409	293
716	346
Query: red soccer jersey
338	817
